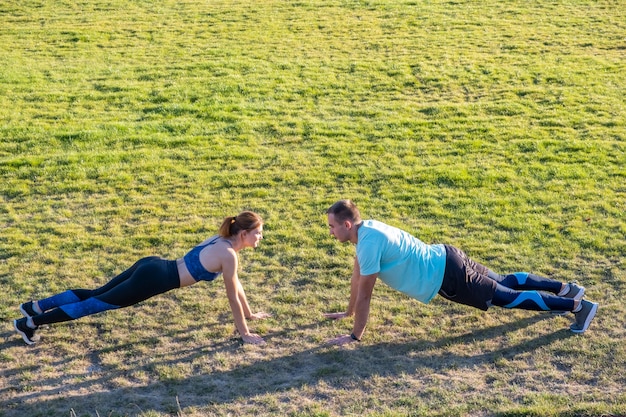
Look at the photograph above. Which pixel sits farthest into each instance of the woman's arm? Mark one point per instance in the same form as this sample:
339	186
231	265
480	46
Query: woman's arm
237	299
241	295
248	314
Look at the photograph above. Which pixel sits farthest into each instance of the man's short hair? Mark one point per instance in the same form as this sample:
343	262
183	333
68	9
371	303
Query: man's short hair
345	210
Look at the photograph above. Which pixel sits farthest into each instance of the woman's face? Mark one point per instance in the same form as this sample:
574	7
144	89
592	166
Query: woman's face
251	238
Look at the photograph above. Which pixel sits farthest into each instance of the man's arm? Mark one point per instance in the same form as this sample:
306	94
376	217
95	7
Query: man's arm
354	290
364	289
354	287
362	308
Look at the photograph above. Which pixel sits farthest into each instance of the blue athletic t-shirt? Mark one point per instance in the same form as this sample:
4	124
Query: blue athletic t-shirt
401	260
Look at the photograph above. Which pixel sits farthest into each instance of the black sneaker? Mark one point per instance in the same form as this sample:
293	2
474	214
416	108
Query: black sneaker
28	309
584	316
26	332
575	292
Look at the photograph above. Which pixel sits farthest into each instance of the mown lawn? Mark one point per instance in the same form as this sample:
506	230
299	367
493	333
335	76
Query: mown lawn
130	129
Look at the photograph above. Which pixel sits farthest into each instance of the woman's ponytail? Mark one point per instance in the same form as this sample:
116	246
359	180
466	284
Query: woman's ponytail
246	220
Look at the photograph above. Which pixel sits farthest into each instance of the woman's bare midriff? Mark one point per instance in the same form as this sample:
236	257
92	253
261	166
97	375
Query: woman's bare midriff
185	277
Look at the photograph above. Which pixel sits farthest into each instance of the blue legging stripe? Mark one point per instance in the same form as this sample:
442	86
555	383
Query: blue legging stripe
529	297
85	308
526	281
521	277
66	297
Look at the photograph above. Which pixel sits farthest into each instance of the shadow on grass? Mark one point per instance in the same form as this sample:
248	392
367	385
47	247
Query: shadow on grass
336	366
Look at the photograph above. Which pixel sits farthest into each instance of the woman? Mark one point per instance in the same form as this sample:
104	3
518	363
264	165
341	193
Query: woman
154	275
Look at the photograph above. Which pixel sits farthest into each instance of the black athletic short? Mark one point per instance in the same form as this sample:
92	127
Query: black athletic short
465	281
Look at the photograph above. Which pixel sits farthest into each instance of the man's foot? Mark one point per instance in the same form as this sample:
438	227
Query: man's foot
26	332
28	309
575	292
584	316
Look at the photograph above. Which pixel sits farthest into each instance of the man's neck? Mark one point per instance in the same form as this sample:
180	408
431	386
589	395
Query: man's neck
355	237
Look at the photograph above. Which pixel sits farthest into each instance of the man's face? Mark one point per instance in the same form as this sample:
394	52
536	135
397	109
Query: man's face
340	230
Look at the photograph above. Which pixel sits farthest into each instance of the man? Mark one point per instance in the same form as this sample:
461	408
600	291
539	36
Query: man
422	271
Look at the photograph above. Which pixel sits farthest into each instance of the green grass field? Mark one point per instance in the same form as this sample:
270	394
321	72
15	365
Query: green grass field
130	129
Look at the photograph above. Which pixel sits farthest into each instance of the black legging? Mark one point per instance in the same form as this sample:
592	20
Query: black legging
146	278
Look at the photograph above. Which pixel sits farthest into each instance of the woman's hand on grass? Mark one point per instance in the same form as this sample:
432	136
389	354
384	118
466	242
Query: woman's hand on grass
344	339
253	339
336	316
259	316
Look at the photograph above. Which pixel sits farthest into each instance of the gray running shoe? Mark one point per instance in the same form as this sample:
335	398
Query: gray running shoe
26	332
28	309
584	316
575	292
